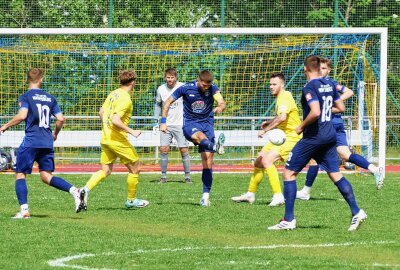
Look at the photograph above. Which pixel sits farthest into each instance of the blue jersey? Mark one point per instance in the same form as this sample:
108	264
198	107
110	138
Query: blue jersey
40	106
197	106
337	117
324	91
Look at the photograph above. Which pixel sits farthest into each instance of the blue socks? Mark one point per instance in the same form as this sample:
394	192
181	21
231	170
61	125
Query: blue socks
311	175
21	189
359	161
207	179
289	192
60	184
347	192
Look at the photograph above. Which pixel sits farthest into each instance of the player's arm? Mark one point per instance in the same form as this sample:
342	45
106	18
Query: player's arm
338	106
313	116
59	124
347	93
101	112
117	122
165	110
221	105
21	116
273	123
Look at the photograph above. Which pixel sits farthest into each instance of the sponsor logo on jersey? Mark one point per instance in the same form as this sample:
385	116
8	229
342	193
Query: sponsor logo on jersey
198	106
41	98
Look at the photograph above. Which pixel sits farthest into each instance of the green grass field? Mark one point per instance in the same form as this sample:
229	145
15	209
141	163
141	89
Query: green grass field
174	232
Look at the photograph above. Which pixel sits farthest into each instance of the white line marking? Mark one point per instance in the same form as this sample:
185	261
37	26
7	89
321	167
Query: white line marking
385	265
61	262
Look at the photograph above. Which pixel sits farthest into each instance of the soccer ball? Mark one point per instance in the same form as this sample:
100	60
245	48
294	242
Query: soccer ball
276	136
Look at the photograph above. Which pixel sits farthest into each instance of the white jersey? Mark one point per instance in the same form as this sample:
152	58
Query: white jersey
175	113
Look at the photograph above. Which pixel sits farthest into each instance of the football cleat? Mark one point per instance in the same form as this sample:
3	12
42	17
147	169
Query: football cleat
77	198
277	199
301	195
220	144
163	180
84	199
188	180
379	180
245	197
136	203
357	219
205	202
22	215
284	225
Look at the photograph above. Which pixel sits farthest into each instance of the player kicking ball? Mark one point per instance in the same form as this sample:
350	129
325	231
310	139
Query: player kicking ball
198	122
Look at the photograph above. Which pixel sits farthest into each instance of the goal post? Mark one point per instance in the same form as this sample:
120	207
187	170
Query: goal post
83	59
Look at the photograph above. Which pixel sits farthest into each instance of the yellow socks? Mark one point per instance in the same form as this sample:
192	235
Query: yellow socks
95	179
273	178
258	175
132	180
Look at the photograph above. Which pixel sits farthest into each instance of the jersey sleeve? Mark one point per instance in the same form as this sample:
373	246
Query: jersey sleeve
56	109
23	103
285	104
179	92
309	94
340	88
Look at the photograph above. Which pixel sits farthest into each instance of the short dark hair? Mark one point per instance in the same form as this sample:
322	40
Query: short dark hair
206	76
171	71
278	75
312	63
34	75
327	61
127	76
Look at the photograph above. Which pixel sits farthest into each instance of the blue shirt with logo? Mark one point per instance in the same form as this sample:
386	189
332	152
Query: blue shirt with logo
41	106
197	106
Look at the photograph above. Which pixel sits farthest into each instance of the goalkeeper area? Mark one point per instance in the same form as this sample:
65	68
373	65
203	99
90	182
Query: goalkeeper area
82	67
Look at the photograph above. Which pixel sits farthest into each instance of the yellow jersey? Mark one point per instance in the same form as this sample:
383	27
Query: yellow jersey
118	102
286	104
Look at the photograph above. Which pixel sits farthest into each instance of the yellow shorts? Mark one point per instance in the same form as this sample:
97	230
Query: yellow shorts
126	154
283	149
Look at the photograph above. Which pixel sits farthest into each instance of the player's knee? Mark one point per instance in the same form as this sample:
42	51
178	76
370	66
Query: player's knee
164	149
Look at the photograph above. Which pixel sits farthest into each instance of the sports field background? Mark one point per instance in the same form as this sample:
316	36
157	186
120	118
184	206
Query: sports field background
173	232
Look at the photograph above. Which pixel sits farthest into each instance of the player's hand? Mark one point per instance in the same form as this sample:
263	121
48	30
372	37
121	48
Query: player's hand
136	133
299	130
163	127
264	124
261	133
218	110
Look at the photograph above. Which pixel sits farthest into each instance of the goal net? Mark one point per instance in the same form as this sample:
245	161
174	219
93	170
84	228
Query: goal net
82	66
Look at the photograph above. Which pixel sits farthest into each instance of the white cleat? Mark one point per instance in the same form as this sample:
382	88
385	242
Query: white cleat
77	198
205	202
84	199
379	180
245	197
277	200
301	195
284	225
357	219
22	215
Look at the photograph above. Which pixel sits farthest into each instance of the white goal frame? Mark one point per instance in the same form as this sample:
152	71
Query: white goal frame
381	31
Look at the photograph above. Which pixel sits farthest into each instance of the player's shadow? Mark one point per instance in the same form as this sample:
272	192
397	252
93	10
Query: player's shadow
321	199
314	227
157	181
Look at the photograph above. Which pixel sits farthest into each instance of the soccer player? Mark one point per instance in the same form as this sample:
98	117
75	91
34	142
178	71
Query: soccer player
198	122
342	146
115	115
174	124
36	108
287	118
318	142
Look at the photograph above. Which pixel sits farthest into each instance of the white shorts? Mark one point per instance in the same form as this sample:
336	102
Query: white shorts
175	132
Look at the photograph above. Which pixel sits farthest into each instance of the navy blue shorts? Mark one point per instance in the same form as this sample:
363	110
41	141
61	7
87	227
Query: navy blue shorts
341	139
192	127
26	156
325	155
